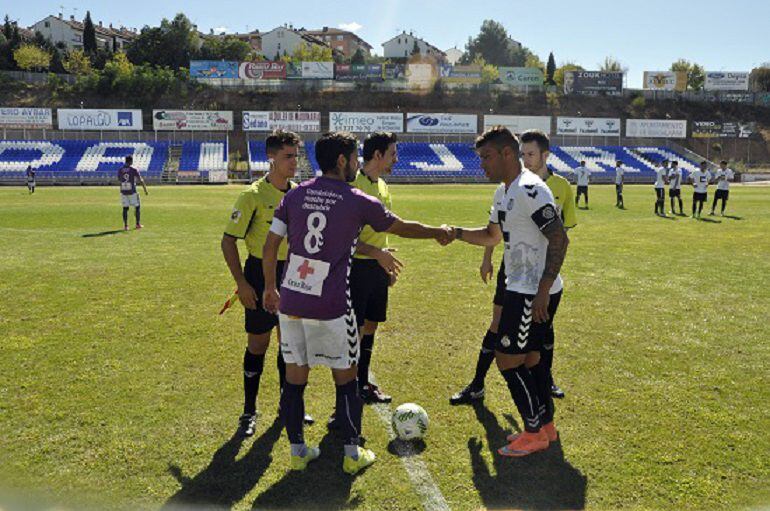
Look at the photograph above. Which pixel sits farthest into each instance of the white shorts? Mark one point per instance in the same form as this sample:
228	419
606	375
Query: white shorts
130	201
311	342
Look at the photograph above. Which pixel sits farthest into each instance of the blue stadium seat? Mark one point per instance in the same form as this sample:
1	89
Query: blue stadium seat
203	157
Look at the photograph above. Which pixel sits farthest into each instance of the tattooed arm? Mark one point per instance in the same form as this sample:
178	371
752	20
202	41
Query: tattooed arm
554	257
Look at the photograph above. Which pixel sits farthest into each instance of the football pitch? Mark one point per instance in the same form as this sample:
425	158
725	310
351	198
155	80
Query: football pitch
120	386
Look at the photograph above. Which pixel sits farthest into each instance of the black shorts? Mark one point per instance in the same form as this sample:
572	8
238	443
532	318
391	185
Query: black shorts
369	284
500	287
660	193
675	193
618	189
519	333
259	321
722	194
699	197
582	189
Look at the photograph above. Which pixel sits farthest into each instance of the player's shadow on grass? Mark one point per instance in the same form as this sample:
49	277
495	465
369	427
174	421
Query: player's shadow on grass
322	485
733	217
710	220
226	481
544	480
103	233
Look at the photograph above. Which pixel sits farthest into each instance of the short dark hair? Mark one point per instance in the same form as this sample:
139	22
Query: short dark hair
582	162
500	136
378	141
129	159
723	162
704	162
675	163
279	138
538	137
618	162
331	145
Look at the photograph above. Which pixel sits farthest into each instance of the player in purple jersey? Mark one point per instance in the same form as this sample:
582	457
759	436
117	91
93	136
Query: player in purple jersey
322	219
30	179
127	177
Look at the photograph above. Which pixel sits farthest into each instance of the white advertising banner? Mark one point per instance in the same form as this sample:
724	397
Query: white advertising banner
366	122
588	126
192	120
724	80
318	70
656	128
665	80
441	123
26	118
99	120
519	123
302	122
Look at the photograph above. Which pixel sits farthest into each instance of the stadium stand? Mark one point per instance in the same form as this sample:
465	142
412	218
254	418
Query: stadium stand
203	159
78	161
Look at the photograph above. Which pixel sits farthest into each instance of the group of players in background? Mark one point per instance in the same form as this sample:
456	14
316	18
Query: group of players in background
669	173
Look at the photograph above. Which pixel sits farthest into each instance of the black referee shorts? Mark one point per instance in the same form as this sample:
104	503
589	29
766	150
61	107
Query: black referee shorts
369	284
259	321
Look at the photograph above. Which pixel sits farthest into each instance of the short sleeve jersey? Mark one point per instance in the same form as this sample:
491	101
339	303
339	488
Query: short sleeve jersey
127	177
30	174
252	215
322	219
563	198
675	179
700	180
379	190
583	176
619	172
522	211
723	178
661	173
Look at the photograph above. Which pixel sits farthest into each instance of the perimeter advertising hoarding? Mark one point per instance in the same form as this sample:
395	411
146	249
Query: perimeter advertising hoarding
99	120
593	83
26	118
302	122
192	120
262	70
588	126
519	123
441	123
203	69
365	122
665	80
656	128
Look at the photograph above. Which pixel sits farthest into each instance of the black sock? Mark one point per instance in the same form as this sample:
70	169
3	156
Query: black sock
293	411
694	206
681	206
486	356
349	408
542	377
524	393
125	216
281	365
367	343
138	214
252	372
700	207
724	203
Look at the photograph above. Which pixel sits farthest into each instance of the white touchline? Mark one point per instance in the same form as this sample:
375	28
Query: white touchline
422	482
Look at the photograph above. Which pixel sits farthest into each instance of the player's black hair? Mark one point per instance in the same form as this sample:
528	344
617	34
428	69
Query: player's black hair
618	162
279	138
330	146
378	141
675	163
538	137
703	163
583	163
500	137
723	162
129	159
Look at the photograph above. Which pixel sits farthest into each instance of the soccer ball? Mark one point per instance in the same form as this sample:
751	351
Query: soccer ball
409	421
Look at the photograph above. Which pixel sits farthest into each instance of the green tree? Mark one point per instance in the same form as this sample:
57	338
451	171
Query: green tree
534	61
77	63
550	70
172	44
489	73
89	35
305	52
611	65
224	48
696	76
492	44
759	79
358	57
30	57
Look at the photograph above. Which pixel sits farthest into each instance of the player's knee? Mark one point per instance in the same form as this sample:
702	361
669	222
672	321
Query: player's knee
344	376
505	361
297	375
532	359
257	344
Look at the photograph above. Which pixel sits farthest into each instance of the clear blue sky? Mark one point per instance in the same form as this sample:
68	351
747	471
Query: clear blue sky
725	35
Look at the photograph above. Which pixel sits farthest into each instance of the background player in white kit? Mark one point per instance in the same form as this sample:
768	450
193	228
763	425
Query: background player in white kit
582	178
722	177
661	178
322	219
700	180
675	186
619	174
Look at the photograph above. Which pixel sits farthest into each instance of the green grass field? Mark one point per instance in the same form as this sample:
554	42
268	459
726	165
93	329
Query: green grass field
120	387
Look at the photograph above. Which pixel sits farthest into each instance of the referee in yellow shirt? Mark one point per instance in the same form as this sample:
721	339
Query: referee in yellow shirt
250	221
535	148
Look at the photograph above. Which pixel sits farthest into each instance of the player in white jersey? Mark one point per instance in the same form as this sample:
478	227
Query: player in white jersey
722	177
700	180
661	178
582	178
525	218
619	174
675	187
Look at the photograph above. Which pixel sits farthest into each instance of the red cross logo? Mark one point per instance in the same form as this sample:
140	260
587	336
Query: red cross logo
305	269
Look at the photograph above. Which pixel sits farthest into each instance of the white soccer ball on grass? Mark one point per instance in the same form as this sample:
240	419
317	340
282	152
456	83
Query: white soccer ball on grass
410	421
